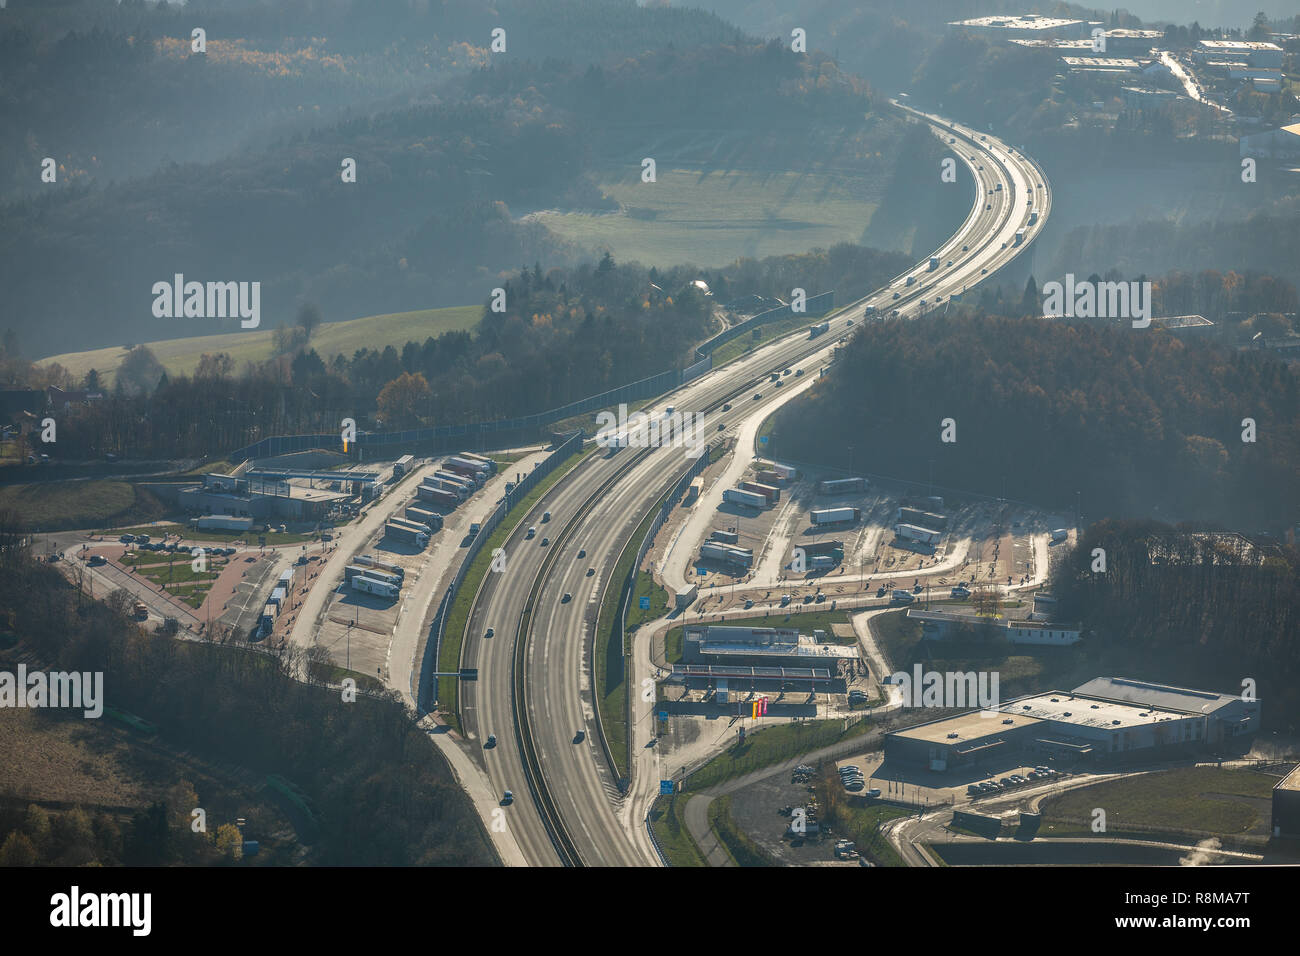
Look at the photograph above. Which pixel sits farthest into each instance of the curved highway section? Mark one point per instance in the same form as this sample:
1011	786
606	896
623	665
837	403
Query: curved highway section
568	809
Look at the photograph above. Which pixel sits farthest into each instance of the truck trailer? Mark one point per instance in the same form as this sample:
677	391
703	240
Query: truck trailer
424	516
403	466
839	486
474	468
725	554
925	519
367	585
406	534
934	263
487	463
353	571
726	537
370	561
438	496
770	492
822	547
834	515
739	496
817	330
911	532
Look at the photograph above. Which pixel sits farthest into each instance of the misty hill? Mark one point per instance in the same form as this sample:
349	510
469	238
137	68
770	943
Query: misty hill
432	216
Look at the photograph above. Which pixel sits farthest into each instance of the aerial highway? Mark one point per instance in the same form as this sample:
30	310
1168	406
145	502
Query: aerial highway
535	686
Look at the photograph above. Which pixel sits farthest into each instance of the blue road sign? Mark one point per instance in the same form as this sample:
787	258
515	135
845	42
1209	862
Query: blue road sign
666	787
663	715
762	440
645	603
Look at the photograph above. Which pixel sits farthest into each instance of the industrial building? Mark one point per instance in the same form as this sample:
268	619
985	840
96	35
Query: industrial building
1286	805
763	647
1185	326
1281	143
1101	64
1026	26
729	682
1105	721
1256	53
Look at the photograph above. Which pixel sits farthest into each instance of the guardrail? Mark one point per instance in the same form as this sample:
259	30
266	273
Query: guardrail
424	684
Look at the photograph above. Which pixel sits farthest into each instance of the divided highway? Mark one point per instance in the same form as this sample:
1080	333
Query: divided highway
535	686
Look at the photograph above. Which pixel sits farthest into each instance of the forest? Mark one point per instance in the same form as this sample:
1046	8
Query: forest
381	792
1135	422
1201	602
565	334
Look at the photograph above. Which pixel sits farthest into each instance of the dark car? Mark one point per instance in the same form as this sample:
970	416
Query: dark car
580	736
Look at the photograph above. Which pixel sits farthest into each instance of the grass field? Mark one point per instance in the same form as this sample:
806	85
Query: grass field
1203	799
712	218
181	356
668	819
742	850
61	505
772	745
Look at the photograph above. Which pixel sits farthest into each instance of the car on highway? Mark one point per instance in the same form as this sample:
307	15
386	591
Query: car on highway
545	542
582	552
949	262
580	736
748	604
567	598
590	572
786	372
490	632
989	206
546	516
507	798
727	407
965	248
780	383
532	533
491	741
984	271
895	295
798	372
922	302
722	426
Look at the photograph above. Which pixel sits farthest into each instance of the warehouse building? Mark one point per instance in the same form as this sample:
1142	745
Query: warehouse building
1254	52
1286	805
1105	721
1026	26
1281	143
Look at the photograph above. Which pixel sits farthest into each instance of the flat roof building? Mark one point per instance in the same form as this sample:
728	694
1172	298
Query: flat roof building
1024	26
763	647
1105	720
1254	52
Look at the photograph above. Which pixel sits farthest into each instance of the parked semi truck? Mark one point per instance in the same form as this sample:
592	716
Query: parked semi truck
839	486
487	463
438	496
911	532
424	516
834	515
726	537
770	492
403	465
370	561
739	496
725	554
406	534
372	586
354	571
925	519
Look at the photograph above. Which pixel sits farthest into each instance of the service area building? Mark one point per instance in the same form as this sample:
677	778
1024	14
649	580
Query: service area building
1105	721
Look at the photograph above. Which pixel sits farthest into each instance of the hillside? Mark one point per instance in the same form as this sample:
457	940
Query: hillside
181	356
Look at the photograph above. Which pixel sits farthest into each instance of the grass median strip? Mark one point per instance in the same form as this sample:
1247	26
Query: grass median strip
458	615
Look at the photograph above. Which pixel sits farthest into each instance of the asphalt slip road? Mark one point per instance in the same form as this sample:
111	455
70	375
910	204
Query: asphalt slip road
607	830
